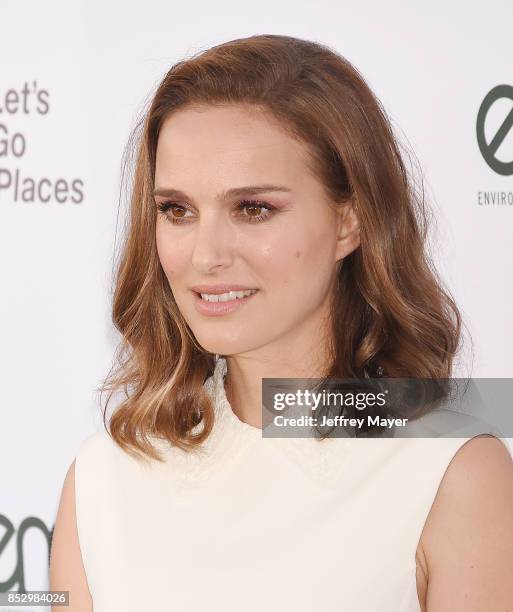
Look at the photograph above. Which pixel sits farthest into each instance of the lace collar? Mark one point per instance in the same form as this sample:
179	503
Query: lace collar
225	417
232	440
320	460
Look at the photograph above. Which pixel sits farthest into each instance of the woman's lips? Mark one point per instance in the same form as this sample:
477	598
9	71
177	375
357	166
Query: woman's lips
219	308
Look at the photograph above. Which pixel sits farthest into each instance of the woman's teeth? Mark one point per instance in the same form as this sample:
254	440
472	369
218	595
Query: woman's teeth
225	297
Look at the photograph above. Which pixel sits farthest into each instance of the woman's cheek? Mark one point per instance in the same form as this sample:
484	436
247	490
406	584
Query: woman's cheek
172	257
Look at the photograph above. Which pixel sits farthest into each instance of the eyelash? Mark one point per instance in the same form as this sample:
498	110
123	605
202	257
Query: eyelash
163	207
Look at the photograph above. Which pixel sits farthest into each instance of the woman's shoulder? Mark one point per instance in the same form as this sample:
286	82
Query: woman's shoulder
95	440
102	461
469	529
97	458
93	447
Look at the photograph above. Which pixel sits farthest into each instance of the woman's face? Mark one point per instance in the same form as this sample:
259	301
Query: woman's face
284	241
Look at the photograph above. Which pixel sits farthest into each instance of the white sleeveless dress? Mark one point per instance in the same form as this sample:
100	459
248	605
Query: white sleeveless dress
257	523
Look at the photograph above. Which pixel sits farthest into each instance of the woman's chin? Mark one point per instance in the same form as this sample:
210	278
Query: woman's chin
224	346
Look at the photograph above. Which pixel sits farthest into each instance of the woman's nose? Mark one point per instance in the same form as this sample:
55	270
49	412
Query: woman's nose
213	243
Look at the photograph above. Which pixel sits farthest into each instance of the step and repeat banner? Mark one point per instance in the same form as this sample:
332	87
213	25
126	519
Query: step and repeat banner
74	79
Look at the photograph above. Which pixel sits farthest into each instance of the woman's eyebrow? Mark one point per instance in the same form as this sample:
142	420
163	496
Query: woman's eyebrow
224	195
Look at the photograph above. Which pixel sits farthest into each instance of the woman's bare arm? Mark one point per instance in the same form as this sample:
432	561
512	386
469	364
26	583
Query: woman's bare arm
66	568
468	539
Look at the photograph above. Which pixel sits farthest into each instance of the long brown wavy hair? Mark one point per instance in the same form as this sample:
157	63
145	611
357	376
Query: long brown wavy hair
391	315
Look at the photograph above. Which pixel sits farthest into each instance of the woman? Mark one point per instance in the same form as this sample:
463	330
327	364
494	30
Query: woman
267	167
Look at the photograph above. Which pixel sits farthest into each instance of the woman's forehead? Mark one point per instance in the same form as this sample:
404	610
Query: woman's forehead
227	143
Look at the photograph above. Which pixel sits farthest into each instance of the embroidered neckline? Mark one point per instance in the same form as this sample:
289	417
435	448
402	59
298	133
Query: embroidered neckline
214	385
231	439
320	460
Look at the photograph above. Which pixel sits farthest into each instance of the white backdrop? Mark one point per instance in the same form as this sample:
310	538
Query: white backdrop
74	76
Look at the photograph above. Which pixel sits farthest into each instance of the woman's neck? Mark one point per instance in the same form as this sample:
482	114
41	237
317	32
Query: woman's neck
243	381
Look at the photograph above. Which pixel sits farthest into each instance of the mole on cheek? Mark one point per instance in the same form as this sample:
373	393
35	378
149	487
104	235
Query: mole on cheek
298	253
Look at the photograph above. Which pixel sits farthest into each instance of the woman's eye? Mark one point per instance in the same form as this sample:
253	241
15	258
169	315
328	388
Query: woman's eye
252	211
250	206
164	208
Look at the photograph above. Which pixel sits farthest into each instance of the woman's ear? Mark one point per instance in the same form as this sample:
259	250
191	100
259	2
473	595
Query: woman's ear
348	236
